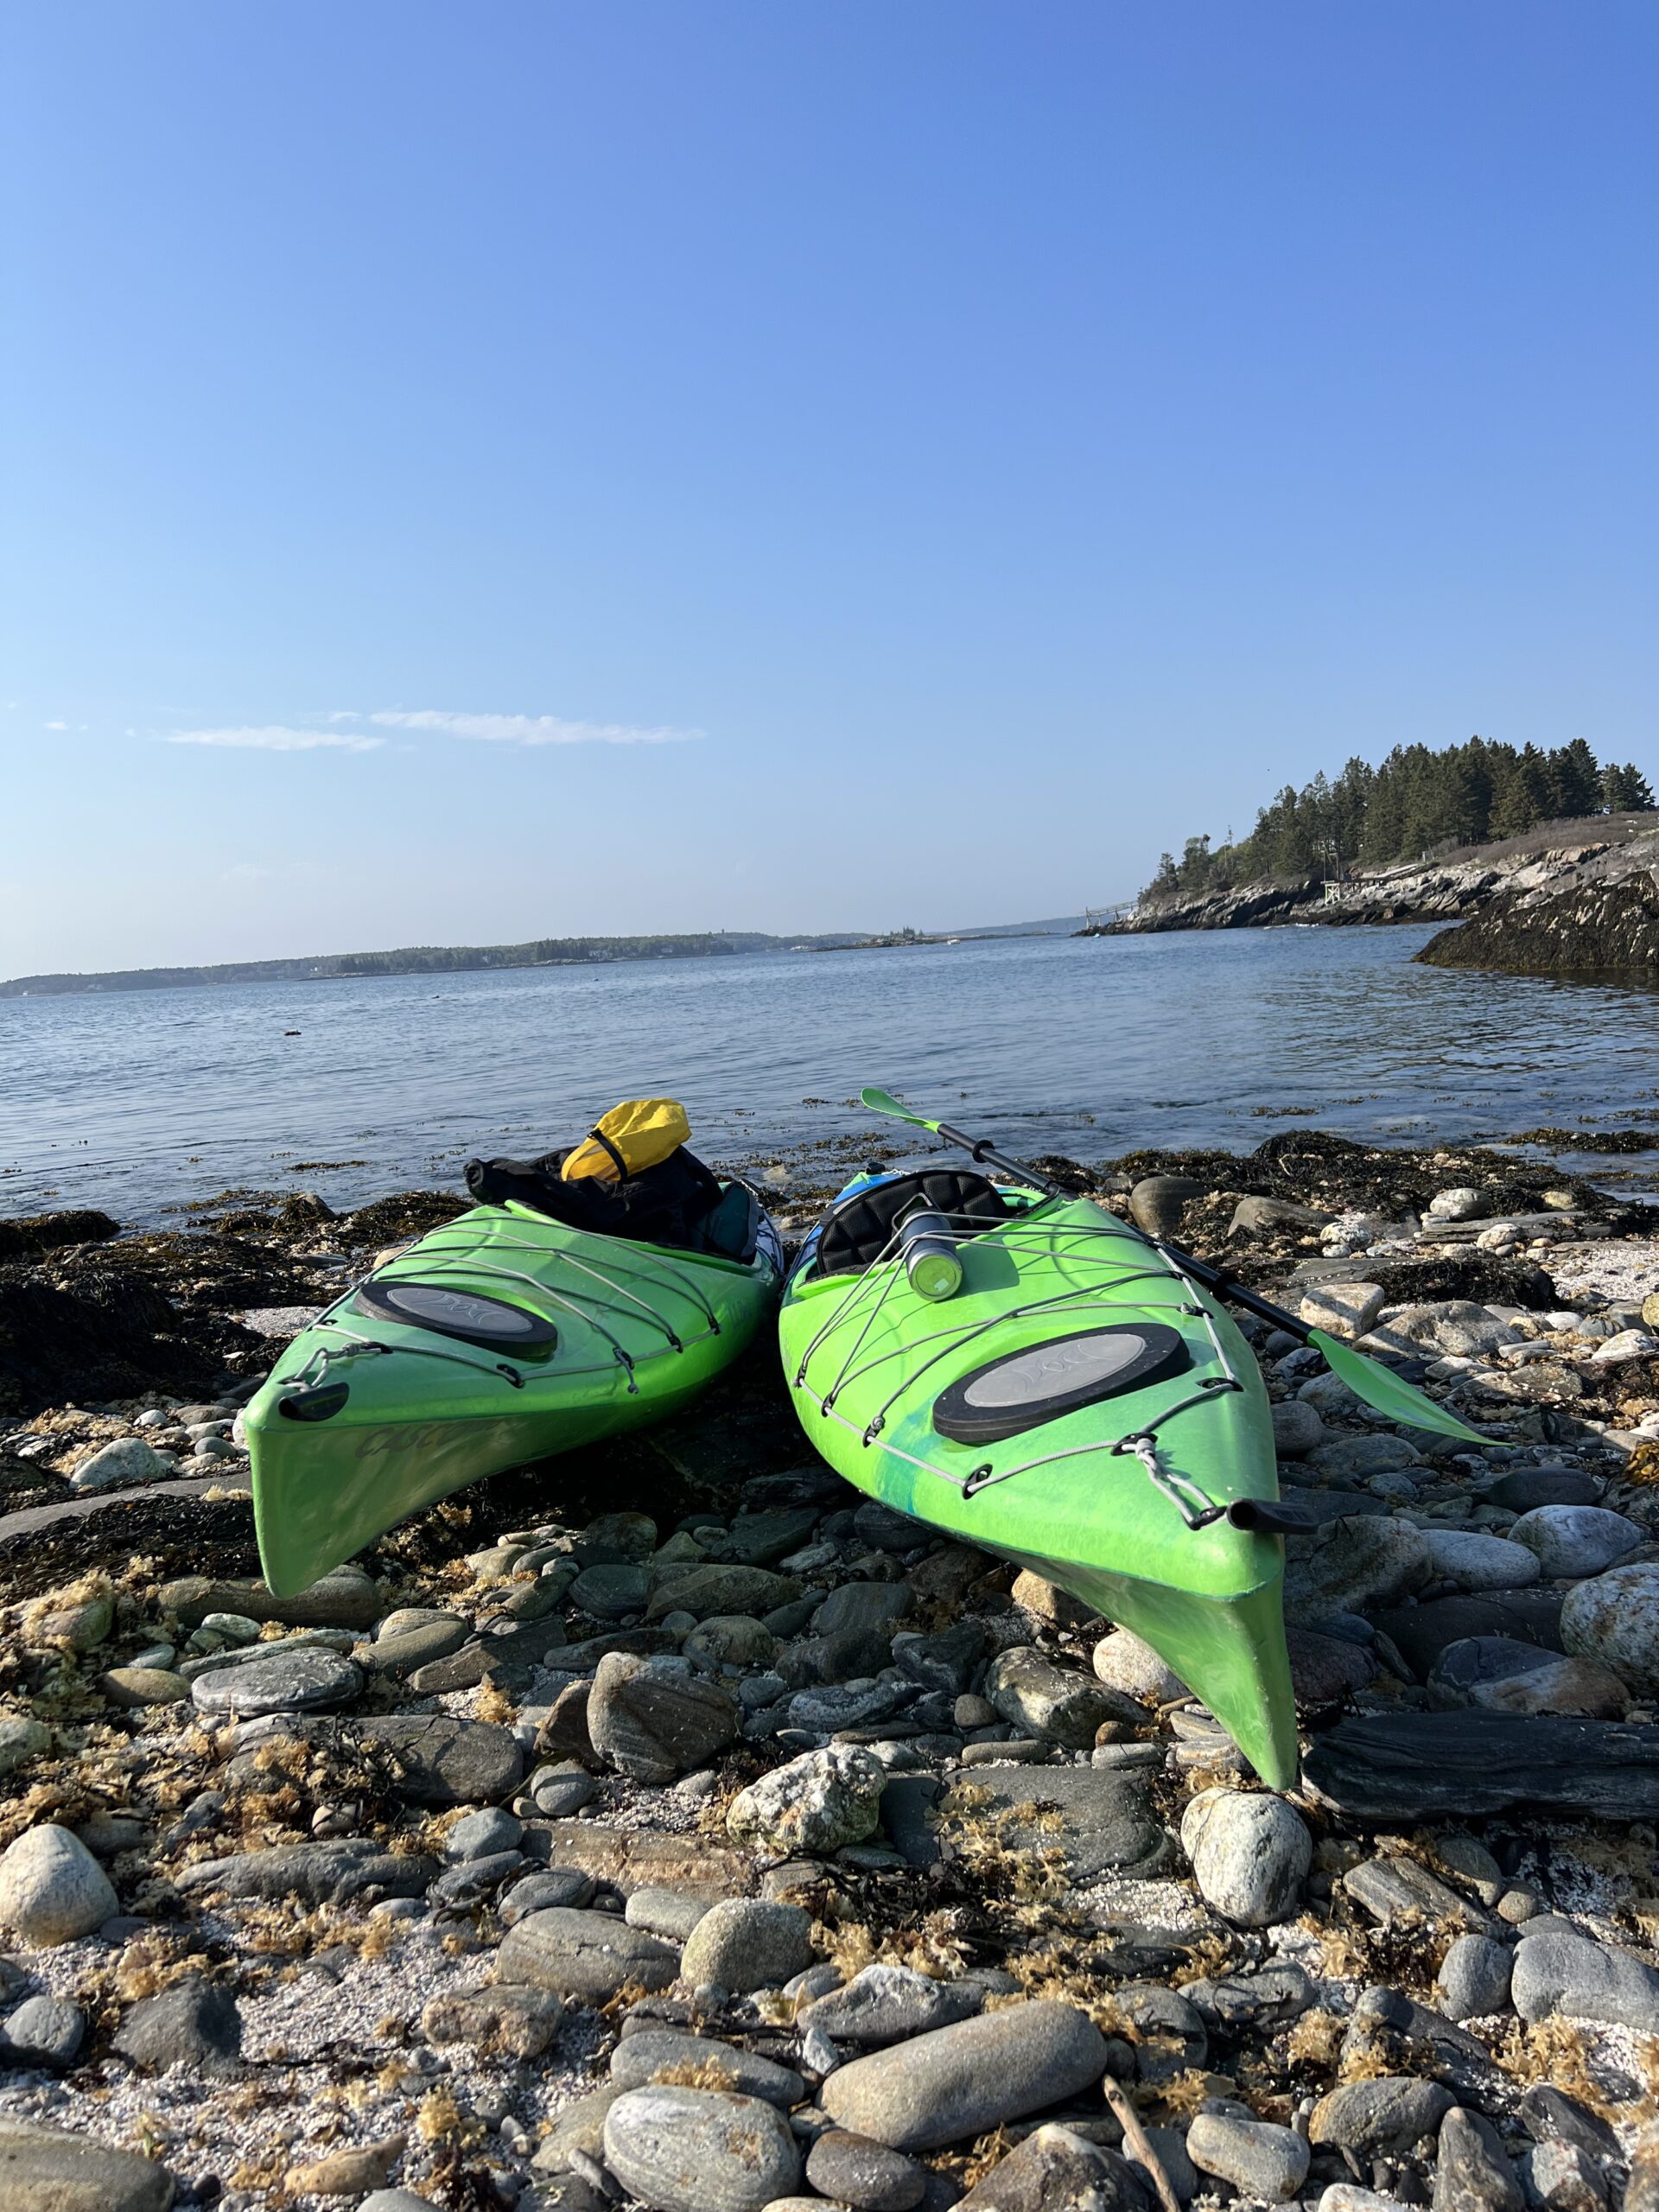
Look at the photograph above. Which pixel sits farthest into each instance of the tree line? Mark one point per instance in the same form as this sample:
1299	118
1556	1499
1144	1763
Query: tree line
1416	801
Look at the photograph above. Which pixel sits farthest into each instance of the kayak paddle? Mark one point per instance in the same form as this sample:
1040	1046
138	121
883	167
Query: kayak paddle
1365	1376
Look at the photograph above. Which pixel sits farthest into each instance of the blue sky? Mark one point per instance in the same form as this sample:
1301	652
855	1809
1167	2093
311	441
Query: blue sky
806	466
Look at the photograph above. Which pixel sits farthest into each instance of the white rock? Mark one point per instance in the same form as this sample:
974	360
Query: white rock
52	1889
816	1804
1629	1344
1614	1619
1346	1309
1463	1202
1575	1540
129	1459
1124	1663
1249	1853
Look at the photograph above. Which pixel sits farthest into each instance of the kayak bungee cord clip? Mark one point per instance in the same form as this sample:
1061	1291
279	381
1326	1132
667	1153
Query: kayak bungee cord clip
1176	1488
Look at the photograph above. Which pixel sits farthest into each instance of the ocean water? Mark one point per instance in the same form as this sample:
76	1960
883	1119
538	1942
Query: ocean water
145	1101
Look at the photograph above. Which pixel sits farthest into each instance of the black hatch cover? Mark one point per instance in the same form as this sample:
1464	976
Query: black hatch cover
1023	1388
490	1322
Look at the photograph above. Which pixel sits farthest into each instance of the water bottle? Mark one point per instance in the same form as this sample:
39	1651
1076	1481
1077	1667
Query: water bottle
929	1245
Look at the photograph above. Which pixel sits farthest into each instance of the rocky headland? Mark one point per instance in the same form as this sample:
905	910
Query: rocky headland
672	1827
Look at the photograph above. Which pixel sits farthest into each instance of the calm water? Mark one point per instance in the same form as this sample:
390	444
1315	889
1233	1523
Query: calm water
1090	1047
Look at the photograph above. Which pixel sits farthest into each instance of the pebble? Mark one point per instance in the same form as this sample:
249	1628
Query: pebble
1123	1662
52	1889
680	2150
43	2031
44	2169
134	1688
22	1738
1298	1429
561	1791
1574	1541
1057	2170
583	1954
814	1805
1059	1704
1382	2117
1260	2158
959	2082
748	1943
1561	2177
477	1835
1586	1980
292	1682
1613	1618
194	2023
887	2004
640	2058
1249	1853
863	2174
671	1913
1474	1979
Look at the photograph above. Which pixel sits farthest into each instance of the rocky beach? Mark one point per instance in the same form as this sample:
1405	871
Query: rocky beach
668	1827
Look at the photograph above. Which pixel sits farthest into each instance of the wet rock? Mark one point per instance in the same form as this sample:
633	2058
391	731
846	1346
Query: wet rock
133	1687
1421	1765
642	2056
194	2024
748	1943
1561	2177
652	1725
703	1592
1157	1202
1381	2118
1523	1488
1249	1853
446	1762
584	1955
1352	1565
1469	1561
129	1459
52	1889
816	1804
1585	1980
863	2174
1614	1619
317	1873
1474	1979
947	1662
1258	2158
958	2081
1574	1541
1123	1662
300	1681
1060	1704
512	2018
42	2031
1473	2172
683	2150
887	2004
51	2169
1394	1890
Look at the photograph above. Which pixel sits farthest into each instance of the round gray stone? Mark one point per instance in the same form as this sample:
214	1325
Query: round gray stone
289	1682
1575	1540
748	1943
960	2081
589	1955
1260	2158
1614	1619
682	2150
1474	1979
52	1889
51	2169
1250	1852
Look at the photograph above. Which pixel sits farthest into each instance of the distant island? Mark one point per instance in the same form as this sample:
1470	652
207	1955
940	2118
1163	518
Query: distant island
464	959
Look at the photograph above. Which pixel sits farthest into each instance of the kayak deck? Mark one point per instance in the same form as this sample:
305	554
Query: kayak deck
1120	1499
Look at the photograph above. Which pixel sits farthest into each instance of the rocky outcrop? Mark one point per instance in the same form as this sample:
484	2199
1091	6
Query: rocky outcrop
1603	922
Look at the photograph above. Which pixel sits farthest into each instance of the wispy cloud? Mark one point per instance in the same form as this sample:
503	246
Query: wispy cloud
57	725
531	729
275	737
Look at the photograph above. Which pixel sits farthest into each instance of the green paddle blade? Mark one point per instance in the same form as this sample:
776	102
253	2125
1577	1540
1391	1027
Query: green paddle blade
883	1101
1367	1378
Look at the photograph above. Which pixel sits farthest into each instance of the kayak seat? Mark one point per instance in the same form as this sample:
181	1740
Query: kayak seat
732	1228
861	1231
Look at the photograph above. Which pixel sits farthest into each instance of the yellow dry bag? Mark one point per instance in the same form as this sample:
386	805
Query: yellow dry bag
635	1134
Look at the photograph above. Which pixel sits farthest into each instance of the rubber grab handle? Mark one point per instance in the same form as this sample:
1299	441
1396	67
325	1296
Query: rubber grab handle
1269	1517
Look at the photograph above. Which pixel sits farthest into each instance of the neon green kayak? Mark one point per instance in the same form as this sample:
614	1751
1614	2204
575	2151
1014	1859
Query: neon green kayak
1075	1405
501	1338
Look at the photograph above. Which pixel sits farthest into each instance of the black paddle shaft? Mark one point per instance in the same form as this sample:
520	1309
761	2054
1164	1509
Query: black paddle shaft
1215	1279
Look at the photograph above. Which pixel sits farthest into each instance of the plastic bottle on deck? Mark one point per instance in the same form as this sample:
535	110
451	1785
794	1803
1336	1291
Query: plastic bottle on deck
929	1246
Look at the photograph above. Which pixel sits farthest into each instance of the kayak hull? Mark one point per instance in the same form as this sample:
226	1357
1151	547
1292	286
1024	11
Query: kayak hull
1093	1498
641	1331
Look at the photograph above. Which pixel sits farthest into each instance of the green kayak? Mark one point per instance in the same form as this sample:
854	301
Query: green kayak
1076	1404
502	1337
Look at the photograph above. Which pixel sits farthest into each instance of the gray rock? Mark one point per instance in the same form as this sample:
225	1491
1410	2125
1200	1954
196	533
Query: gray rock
1548	2115
1474	1979
479	1836
958	2081
1325	1670
1584	1979
654	1725
1098	1820
560	1885
864	1605
1056	2169
885	1530
611	1592
1249	1853
851	1705
1346	1309
816	1804
640	2058
52	1889
559	1791
513	2019
888	2004
43	2031
731	1640
850	1655
404	2200
1268	1998
1060	1704
615	1537
671	1913
129	1459
1561	2177
700	2150
1523	1488
462	1887
417	1645
1473	2172
22	1738
587	1955
1462	1666
446	1762
1169	2032
762	1539
703	1592
134	1688
1123	1662
1258	2158
1350	1566
317	1873
1469	1560
748	1943
1573	1686
1354	1458
947	1662
1575	1540
1381	2118
1614	1619
196	2024
1395	1889
50	2169
297	1680
863	2174
1298	1429
1157	1202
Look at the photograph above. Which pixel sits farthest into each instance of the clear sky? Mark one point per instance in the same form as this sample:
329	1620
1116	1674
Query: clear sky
795	464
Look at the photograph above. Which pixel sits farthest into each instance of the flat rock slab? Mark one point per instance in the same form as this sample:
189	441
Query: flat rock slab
630	1861
1410	1765
1098	1818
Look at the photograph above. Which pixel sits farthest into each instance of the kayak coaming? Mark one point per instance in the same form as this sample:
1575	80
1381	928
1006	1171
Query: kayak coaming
1207	1599
643	1329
